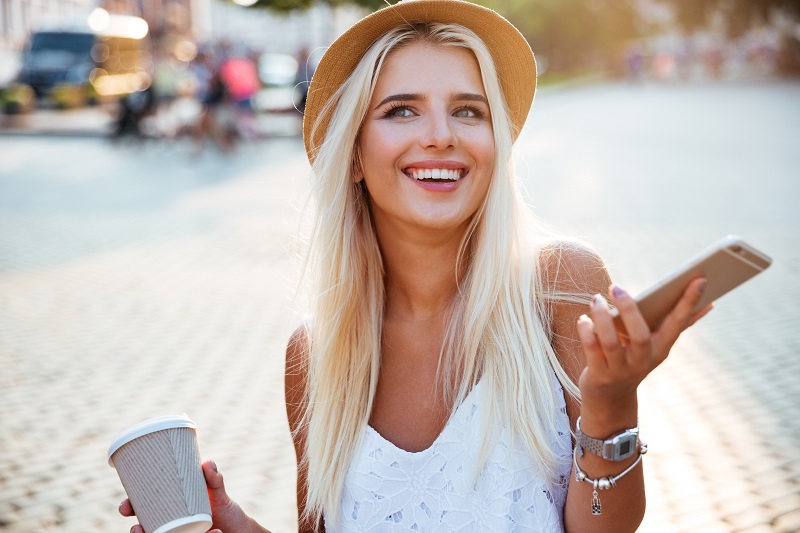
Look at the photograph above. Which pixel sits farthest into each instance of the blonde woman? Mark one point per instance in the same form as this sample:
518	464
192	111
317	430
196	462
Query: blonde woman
451	357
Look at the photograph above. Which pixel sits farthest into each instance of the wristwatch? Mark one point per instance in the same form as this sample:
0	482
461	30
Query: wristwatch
617	448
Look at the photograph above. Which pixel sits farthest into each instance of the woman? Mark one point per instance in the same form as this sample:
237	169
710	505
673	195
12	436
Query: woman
451	353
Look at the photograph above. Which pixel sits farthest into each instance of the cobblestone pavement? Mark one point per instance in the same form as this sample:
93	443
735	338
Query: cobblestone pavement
145	281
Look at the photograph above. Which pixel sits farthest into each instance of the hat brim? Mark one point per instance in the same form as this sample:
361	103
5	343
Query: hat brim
516	67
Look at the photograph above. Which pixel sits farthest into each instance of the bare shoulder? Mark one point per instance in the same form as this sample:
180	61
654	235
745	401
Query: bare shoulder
297	348
572	273
296	375
296	385
572	267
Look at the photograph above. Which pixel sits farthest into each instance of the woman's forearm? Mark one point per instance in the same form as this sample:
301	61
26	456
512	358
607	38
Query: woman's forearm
620	506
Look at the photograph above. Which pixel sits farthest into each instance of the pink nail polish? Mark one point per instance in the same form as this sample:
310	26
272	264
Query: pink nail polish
597	299
617	292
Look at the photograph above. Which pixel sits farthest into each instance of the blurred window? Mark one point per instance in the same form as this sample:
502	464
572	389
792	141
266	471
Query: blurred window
74	43
277	70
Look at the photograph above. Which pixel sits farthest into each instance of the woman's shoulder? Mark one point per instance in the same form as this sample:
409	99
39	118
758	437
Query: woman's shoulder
297	347
296	375
571	266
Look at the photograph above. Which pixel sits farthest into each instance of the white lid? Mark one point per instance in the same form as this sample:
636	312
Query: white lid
149	426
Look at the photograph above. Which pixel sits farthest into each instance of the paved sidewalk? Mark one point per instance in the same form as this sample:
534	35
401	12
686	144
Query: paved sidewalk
91	121
186	310
98	121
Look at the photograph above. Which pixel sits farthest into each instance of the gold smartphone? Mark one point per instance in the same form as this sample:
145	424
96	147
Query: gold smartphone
726	264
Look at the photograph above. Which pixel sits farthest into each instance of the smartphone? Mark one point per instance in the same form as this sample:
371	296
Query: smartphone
726	264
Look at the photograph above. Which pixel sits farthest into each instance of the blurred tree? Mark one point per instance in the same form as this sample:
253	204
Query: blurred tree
738	15
570	34
287	6
574	34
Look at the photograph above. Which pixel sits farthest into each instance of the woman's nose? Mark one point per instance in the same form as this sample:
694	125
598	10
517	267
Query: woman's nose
438	132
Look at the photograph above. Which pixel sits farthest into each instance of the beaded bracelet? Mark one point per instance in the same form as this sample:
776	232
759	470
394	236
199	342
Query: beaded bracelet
603	483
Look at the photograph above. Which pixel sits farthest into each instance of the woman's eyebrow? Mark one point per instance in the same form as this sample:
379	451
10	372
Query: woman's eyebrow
416	97
403	97
470	97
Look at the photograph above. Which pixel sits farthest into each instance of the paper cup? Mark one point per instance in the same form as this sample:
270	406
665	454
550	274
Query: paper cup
158	463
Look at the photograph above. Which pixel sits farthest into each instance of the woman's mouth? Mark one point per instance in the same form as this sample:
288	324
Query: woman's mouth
434	174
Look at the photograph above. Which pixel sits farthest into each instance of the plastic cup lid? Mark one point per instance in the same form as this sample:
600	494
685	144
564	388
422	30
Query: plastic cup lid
149	426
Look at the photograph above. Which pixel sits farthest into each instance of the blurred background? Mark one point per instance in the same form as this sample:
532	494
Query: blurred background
211	69
153	184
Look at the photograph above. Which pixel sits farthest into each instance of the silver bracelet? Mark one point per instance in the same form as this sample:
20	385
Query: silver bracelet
603	483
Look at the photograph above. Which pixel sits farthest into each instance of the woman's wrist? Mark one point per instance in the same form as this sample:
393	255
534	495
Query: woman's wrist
602	420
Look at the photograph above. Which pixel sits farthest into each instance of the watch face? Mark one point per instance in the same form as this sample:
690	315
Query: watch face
625	447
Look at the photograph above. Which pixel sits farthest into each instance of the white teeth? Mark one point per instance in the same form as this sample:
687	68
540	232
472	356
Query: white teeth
435	174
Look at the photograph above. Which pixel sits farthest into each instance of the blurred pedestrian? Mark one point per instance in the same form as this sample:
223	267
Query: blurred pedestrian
635	61
305	71
664	65
449	353
714	59
132	110
167	77
214	122
239	73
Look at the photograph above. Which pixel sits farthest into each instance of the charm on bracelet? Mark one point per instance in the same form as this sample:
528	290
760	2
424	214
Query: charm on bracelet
603	483
597	508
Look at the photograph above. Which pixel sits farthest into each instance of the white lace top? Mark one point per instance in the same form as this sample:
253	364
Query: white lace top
389	489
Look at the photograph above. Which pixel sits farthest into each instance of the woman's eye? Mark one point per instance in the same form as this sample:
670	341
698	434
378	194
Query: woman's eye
468	112
400	111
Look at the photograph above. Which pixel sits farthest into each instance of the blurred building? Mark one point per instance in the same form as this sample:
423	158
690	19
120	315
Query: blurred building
19	17
164	17
261	29
170	21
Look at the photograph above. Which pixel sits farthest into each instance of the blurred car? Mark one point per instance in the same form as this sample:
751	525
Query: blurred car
76	65
277	73
57	58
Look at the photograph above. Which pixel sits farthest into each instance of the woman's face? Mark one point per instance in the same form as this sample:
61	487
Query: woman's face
427	146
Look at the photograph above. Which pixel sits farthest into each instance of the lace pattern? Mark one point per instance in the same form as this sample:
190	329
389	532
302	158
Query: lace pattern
390	489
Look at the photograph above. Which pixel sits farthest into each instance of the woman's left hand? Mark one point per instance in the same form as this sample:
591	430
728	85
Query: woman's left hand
616	364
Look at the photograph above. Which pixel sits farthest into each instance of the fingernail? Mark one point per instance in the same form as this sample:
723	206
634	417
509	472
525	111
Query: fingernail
214	466
701	288
617	292
583	318
133	529
597	299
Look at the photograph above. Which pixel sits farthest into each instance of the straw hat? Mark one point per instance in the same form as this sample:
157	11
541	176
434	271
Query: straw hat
512	55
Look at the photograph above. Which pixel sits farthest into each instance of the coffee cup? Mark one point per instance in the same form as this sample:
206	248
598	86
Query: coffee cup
158	462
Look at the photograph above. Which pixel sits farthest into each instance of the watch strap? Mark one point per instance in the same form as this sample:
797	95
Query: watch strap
601	448
591	445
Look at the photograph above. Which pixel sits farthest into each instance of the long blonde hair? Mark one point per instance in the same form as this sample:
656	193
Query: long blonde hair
499	329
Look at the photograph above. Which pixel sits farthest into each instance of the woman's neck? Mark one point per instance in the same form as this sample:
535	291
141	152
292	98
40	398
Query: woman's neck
420	278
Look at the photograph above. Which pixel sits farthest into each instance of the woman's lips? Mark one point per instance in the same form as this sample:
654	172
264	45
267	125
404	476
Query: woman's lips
440	175
445	174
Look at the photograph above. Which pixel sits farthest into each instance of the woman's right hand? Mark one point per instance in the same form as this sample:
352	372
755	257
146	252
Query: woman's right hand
226	514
